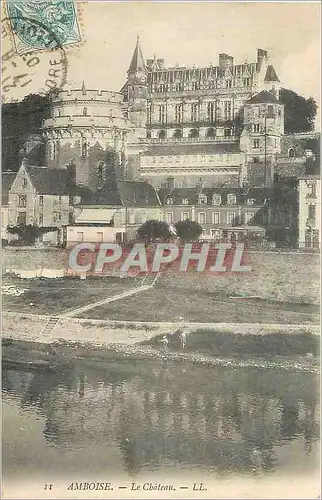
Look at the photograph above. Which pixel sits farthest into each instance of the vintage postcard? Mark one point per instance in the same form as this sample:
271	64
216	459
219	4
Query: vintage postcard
161	237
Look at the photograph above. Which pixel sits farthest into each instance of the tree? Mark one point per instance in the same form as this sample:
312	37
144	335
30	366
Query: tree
299	113
28	233
19	121
153	230
188	230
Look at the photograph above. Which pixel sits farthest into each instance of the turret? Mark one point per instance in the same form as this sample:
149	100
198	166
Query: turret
136	91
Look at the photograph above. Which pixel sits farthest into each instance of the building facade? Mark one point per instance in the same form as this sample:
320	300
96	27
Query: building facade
310	212
41	197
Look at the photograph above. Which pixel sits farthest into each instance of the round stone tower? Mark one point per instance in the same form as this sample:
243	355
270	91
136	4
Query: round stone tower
84	128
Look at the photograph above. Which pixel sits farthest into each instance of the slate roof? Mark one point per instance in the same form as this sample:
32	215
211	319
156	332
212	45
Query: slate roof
271	75
191	149
192	194
137	63
263	97
54	181
127	193
7	179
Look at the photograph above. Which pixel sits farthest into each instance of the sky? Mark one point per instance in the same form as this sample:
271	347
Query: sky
190	33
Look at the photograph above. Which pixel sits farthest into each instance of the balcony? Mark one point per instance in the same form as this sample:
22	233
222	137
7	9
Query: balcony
172	140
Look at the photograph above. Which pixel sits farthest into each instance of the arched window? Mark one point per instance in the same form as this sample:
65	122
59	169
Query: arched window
211	132
84	111
161	134
231	199
202	199
227	132
148	134
194	133
169	201
177	134
291	153
185	201
100	170
216	199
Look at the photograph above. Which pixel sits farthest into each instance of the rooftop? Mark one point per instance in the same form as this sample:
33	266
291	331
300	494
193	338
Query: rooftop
54	181
191	149
7	179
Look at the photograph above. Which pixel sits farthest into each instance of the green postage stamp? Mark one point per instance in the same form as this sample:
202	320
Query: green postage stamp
41	25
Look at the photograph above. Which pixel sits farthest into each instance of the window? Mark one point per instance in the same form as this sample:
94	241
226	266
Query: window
162	88
230	217
100	237
80	237
210	111
24	182
227	110
52	149
256	159
256	127
312	212
161	113
100	170
22	201
270	111
41	219
193	134
169	217
246	82
251	201
231	199
169	201
184	216
185	201
291	153
202	218
195	86
56	217
41	201
161	136
178	113
216	199
132	218
84	111
178	87
84	147
248	217
211	84
256	144
312	189
194	112
22	218
215	233
149	114
170	183
216	218
228	84
202	198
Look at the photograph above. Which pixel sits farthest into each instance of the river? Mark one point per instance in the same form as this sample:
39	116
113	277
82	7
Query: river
128	418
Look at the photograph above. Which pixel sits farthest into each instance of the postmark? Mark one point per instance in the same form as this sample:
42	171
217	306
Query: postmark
35	71
34	22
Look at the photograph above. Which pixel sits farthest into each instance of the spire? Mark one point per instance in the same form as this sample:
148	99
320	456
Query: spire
271	75
137	63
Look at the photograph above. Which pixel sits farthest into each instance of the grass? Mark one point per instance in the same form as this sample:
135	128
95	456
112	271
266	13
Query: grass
55	296
168	304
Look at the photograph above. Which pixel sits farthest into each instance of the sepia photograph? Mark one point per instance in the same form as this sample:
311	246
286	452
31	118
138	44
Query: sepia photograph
160	249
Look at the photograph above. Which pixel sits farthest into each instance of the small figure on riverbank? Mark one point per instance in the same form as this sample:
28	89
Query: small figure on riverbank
183	339
165	342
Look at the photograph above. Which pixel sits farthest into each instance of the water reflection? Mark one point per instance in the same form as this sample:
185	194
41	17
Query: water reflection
175	414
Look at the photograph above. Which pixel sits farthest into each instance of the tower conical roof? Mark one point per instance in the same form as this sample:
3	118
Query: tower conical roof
137	63
271	75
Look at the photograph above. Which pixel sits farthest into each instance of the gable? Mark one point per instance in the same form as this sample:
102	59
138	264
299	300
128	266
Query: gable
22	182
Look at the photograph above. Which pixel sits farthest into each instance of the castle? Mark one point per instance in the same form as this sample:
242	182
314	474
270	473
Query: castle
173	127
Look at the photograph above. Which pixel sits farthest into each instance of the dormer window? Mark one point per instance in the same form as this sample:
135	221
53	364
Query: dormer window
169	201
202	198
231	199
291	153
216	199
251	201
185	201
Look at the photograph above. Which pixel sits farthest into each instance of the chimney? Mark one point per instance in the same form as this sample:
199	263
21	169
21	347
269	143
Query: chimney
225	61
261	55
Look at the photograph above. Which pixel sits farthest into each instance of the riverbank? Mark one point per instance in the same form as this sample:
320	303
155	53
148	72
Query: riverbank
249	344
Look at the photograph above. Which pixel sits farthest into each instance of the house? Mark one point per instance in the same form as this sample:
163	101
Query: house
7	179
41	197
113	213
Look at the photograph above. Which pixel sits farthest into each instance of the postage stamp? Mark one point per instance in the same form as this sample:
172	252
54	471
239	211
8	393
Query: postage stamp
33	22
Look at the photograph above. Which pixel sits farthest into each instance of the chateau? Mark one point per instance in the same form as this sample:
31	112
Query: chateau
175	127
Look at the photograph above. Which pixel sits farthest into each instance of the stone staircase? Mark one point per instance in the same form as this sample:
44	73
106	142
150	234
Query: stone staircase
50	325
